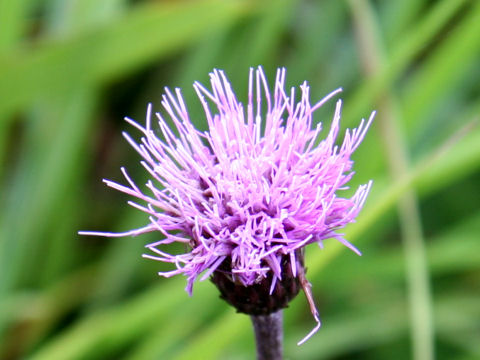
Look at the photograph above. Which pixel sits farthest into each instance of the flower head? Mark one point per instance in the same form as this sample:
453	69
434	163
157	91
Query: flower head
250	193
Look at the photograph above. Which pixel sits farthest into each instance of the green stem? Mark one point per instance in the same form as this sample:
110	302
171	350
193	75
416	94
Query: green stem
420	302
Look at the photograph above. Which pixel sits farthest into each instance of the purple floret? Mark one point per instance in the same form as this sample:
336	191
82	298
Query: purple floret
255	188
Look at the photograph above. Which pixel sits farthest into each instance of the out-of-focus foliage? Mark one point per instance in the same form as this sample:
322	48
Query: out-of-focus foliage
70	70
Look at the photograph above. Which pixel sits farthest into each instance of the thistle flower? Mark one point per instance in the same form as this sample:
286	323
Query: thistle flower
249	194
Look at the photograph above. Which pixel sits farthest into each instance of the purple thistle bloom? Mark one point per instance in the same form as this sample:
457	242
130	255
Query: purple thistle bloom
250	193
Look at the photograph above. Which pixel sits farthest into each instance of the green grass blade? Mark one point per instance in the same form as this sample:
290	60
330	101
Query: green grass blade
142	36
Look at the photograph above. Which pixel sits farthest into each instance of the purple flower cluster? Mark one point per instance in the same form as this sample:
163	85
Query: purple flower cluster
255	188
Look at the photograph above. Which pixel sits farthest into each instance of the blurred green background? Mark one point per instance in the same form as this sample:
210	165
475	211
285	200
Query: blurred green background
70	70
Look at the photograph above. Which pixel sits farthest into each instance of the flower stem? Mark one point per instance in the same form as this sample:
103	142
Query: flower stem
269	335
